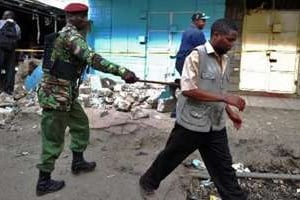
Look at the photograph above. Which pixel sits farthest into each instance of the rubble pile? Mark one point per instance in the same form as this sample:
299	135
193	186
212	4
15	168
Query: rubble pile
104	94
8	109
126	97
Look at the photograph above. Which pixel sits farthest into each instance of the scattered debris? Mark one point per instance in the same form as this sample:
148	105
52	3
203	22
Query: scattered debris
239	167
24	153
194	164
206	183
6	100
7	114
213	197
110	176
198	164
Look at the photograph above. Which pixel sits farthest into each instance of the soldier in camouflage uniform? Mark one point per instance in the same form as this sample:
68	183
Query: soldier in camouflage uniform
57	95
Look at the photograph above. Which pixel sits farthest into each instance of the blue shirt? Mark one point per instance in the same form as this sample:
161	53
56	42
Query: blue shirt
191	38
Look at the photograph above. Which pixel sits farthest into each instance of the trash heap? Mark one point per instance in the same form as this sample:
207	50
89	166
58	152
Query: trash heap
257	189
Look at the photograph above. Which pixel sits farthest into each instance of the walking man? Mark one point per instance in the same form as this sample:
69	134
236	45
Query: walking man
10	33
200	122
63	66
191	38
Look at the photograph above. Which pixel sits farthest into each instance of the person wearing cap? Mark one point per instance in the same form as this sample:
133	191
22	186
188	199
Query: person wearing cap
63	65
201	116
191	37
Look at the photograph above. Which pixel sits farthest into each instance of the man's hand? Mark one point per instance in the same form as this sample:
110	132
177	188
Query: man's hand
236	119
235	101
129	77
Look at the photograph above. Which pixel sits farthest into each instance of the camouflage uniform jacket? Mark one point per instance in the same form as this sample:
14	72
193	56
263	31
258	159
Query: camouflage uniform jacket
70	46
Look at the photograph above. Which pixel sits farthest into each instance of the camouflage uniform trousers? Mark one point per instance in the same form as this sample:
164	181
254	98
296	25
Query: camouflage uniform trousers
53	126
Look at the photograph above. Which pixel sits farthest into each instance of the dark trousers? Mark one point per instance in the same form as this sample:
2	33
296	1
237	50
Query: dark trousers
214	150
7	71
53	126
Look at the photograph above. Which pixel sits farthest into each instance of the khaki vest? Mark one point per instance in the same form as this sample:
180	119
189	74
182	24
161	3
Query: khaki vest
203	116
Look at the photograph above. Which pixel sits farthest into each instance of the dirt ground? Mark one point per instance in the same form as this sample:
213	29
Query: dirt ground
268	142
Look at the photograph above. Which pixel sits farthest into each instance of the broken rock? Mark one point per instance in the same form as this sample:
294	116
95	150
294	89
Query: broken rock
85	89
130	98
108	83
239	167
109	100
85	99
104	92
103	113
138	113
95	83
122	105
119	88
146	105
6	100
6	113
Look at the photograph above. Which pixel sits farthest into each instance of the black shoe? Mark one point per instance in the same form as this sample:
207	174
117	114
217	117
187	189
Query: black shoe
79	164
46	185
146	192
83	166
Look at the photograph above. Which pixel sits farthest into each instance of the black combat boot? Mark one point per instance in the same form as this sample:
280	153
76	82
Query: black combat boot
46	185
80	165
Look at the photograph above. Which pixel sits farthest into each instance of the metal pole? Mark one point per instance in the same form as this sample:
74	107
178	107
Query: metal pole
147	39
38	29
160	82
55	24
205	175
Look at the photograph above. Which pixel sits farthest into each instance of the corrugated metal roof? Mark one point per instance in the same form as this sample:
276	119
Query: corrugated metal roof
61	3
31	6
269	4
265	4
